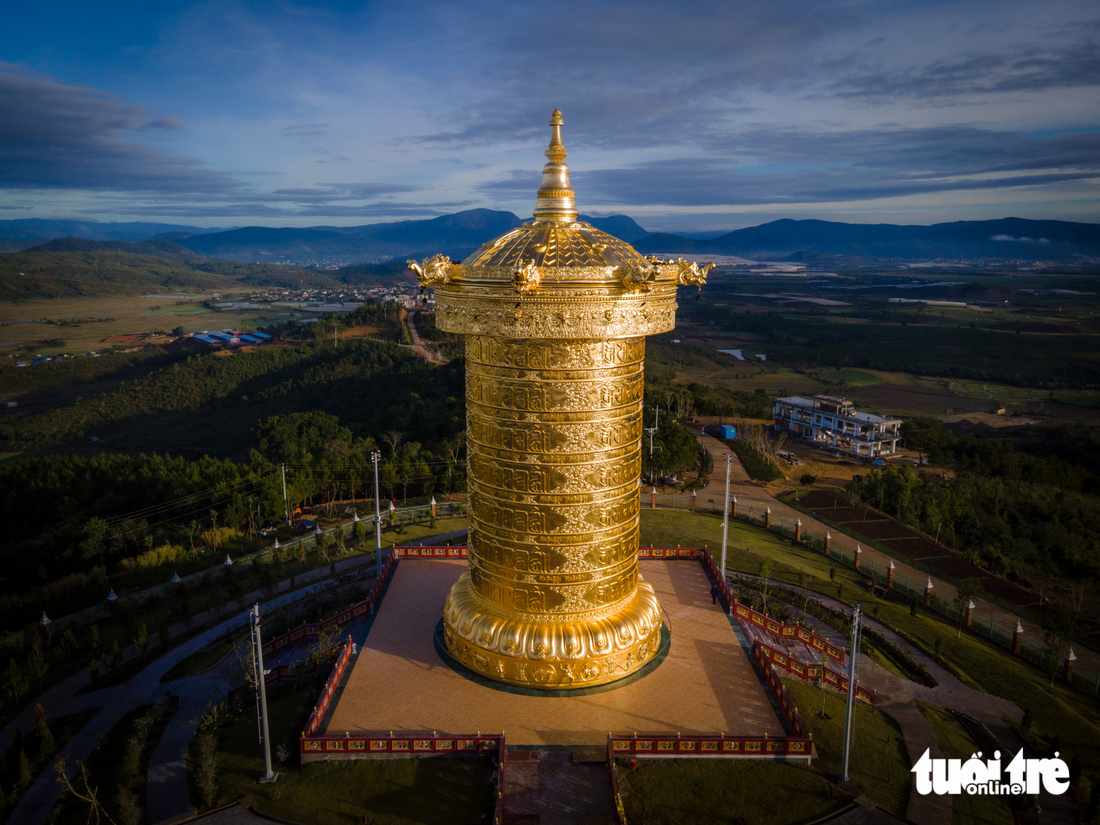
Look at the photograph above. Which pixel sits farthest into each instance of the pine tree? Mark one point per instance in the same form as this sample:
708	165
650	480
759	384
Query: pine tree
46	745
116	655
36	665
24	769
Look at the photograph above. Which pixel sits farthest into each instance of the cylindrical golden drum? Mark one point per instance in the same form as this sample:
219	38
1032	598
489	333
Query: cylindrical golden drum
553	598
555	314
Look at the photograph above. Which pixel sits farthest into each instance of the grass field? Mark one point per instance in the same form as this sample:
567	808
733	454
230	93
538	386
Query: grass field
390	792
671	792
957	744
100	318
879	765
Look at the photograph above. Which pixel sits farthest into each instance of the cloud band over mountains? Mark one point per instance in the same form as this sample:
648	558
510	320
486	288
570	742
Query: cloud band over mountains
701	107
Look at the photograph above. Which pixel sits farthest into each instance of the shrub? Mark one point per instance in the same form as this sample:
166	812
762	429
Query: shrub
206	769
129	811
165	554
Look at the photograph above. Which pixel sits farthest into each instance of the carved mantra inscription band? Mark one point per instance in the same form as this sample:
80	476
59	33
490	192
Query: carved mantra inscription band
555	313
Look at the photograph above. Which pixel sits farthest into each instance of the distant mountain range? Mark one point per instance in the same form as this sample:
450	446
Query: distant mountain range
461	233
27	232
456	235
1007	238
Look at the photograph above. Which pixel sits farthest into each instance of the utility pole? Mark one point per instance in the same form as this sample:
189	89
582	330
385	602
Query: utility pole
650	431
375	457
856	631
286	501
726	457
268	776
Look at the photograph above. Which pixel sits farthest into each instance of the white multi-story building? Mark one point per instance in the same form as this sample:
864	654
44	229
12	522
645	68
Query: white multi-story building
834	423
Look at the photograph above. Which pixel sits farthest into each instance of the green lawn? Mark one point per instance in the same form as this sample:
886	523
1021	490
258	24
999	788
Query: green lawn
205	658
669	792
432	791
1067	713
879	763
746	548
957	744
855	378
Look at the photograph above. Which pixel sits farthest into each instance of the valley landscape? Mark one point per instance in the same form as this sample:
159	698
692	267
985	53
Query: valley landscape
385	390
992	363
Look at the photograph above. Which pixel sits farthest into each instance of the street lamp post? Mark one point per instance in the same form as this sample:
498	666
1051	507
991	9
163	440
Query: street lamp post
856	617
269	776
376	457
726	457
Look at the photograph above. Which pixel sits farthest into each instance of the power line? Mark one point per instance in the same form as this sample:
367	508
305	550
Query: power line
155	509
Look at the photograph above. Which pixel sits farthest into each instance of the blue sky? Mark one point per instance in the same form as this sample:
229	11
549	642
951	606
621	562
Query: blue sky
683	115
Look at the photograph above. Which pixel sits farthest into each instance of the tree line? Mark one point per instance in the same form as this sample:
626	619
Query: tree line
1008	510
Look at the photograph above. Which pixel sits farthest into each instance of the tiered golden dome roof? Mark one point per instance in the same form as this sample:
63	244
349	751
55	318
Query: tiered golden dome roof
556	276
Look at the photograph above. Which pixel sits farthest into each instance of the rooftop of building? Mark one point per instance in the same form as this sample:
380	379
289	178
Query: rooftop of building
843	407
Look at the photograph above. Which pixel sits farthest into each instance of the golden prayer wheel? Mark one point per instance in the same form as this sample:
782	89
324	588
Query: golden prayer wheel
555	315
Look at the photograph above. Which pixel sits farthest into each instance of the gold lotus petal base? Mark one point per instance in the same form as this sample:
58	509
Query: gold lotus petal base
551	655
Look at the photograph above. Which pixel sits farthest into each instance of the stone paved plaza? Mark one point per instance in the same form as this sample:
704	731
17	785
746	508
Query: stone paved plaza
400	683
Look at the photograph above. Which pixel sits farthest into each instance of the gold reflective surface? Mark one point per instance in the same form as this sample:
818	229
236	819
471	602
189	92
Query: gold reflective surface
555	314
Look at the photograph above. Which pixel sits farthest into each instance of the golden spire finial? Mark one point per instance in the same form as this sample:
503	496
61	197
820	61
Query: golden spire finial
556	202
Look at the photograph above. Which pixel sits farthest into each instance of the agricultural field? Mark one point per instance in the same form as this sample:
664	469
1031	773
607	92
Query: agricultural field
80	325
1025	343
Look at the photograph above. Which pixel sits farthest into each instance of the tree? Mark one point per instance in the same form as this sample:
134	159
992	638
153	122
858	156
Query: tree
299	438
46	744
36	665
94	544
116	655
130	811
141	639
206	769
81	790
394	439
1060	625
69	647
15	683
807	479
765	573
24	769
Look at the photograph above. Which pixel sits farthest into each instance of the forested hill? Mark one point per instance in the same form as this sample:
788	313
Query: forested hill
73	267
